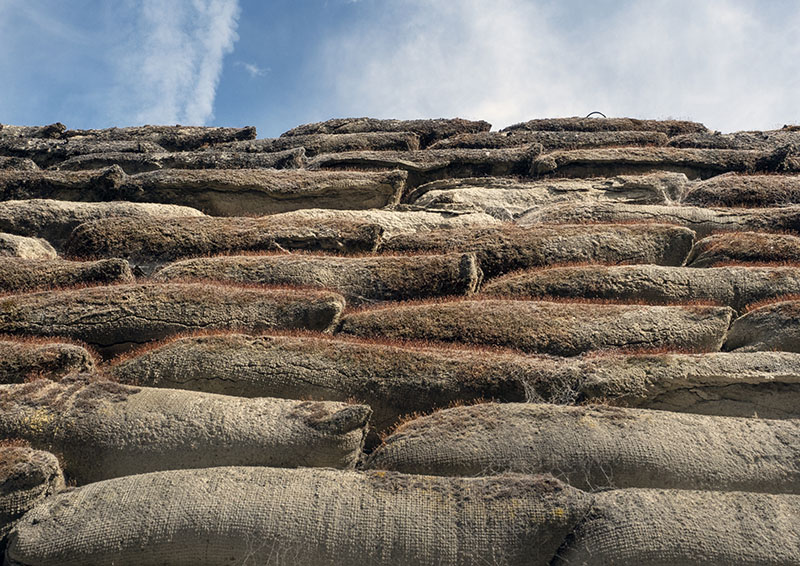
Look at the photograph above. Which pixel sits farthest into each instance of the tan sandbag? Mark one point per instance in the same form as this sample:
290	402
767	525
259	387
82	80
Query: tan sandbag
359	279
103	429
22	274
649	527
743	248
314	517
562	329
507	247
29	358
598	447
116	318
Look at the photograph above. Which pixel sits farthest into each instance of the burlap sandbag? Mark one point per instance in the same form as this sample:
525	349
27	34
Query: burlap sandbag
391	379
359	279
116	318
735	286
27	477
648	527
563	329
595	447
23	359
745	247
309	517
774	326
103	429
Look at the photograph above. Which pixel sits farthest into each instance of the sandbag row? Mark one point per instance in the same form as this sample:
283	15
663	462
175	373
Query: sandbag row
240	514
101	429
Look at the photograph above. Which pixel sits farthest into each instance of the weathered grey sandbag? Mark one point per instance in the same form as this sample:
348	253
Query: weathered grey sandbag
360	279
248	192
506	198
598	447
21	274
694	163
429	131
22	360
745	247
49	131
394	222
561	329
703	221
315	144
745	191
54	220
501	249
774	326
735	287
314	517
103	429
27	478
577	124
393	380
648	527
17	164
209	159
171	138
428	165
551	140
12	245
102	184
767	140
753	384
151	242
49	152
117	317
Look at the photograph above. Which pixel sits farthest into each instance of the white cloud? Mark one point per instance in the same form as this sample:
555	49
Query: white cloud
252	69
171	64
733	64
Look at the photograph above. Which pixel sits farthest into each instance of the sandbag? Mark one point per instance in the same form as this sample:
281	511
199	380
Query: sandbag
649	527
505	248
746	191
766	140
743	248
118	317
313	517
23	247
27	477
249	192
103	429
508	198
394	222
17	164
152	242
54	220
755	384
551	140
703	221
171	138
735	287
359	279
694	163
315	144
599	447
775	326
562	329
143	162
392	380
49	131
25	359
96	185
429	131
428	165
22	274
53	152
578	124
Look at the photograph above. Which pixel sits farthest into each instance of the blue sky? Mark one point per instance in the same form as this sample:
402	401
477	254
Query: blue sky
732	64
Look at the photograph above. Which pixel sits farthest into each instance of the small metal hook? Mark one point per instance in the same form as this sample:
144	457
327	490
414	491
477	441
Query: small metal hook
589	115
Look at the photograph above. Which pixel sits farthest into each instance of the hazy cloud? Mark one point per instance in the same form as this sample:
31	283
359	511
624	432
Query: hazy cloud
734	64
171	64
252	69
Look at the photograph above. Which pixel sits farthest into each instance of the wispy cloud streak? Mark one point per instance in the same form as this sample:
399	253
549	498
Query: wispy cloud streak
172	63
